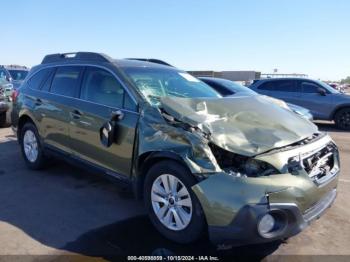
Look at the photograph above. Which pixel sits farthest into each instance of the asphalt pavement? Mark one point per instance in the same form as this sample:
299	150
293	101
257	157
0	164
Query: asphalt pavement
64	210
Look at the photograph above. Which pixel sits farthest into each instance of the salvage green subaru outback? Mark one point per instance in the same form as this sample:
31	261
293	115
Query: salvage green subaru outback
242	169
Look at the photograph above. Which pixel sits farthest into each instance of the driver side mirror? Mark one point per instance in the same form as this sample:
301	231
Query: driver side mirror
107	133
109	129
321	91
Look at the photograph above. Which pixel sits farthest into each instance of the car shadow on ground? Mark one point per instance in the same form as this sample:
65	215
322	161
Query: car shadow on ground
136	236
70	209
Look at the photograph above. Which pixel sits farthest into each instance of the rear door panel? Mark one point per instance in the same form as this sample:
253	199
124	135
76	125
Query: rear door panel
55	112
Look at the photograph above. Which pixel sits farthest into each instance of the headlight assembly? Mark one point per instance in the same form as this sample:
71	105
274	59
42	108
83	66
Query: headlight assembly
239	165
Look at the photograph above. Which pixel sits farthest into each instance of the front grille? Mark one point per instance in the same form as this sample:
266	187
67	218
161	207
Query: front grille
2	91
320	165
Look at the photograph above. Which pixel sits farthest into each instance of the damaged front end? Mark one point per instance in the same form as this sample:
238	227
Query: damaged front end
265	173
287	187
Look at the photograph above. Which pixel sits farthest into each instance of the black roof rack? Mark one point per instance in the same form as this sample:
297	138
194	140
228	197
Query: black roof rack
152	60
89	56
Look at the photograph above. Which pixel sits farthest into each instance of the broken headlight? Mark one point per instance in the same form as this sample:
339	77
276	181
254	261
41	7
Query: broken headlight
239	165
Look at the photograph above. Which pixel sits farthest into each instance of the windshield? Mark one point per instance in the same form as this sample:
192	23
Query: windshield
18	75
328	87
234	87
155	83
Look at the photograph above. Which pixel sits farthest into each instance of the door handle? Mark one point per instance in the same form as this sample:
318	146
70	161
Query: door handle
76	114
117	115
38	102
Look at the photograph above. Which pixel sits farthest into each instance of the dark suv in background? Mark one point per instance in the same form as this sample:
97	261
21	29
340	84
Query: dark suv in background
324	102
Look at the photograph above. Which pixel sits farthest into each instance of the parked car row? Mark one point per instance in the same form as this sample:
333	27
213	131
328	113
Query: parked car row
243	168
11	77
14	74
323	101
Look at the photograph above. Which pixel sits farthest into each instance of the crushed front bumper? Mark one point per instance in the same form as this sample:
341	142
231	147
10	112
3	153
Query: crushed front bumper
234	206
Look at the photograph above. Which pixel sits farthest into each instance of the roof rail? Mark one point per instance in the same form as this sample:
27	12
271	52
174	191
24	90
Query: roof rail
16	67
89	56
151	60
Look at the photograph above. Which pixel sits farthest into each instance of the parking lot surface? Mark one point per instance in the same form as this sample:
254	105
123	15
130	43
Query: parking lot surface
66	210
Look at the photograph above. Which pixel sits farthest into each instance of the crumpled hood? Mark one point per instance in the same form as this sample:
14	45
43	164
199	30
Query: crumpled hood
246	125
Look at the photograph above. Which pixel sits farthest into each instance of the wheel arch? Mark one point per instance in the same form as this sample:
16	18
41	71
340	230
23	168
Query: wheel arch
23	119
146	161
338	108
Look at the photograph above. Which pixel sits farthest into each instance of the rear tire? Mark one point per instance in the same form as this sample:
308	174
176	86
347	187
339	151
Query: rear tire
5	119
342	119
31	147
175	212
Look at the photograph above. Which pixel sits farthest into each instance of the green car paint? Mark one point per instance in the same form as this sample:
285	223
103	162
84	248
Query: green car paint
251	129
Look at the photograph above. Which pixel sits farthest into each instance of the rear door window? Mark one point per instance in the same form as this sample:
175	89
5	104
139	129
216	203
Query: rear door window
281	86
268	86
286	86
66	80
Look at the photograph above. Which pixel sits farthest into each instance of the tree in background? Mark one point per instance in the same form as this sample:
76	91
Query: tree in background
346	80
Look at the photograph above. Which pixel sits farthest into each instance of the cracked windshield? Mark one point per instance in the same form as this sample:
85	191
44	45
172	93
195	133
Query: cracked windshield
157	83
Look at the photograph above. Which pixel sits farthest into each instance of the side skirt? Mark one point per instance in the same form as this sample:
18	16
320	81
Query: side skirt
121	180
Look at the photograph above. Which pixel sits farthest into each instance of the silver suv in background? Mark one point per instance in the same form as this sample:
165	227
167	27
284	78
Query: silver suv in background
324	102
14	74
229	88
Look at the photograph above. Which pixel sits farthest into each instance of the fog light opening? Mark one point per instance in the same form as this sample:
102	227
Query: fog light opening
272	224
266	224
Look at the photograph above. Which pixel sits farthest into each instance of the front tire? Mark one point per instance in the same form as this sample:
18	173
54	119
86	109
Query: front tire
342	119
172	206
31	147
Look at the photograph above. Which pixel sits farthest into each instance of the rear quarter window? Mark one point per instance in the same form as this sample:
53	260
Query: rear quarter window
280	86
37	80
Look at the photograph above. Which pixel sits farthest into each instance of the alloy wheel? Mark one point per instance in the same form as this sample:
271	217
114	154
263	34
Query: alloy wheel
30	145
344	119
171	202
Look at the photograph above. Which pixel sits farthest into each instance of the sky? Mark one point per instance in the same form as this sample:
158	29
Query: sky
310	37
